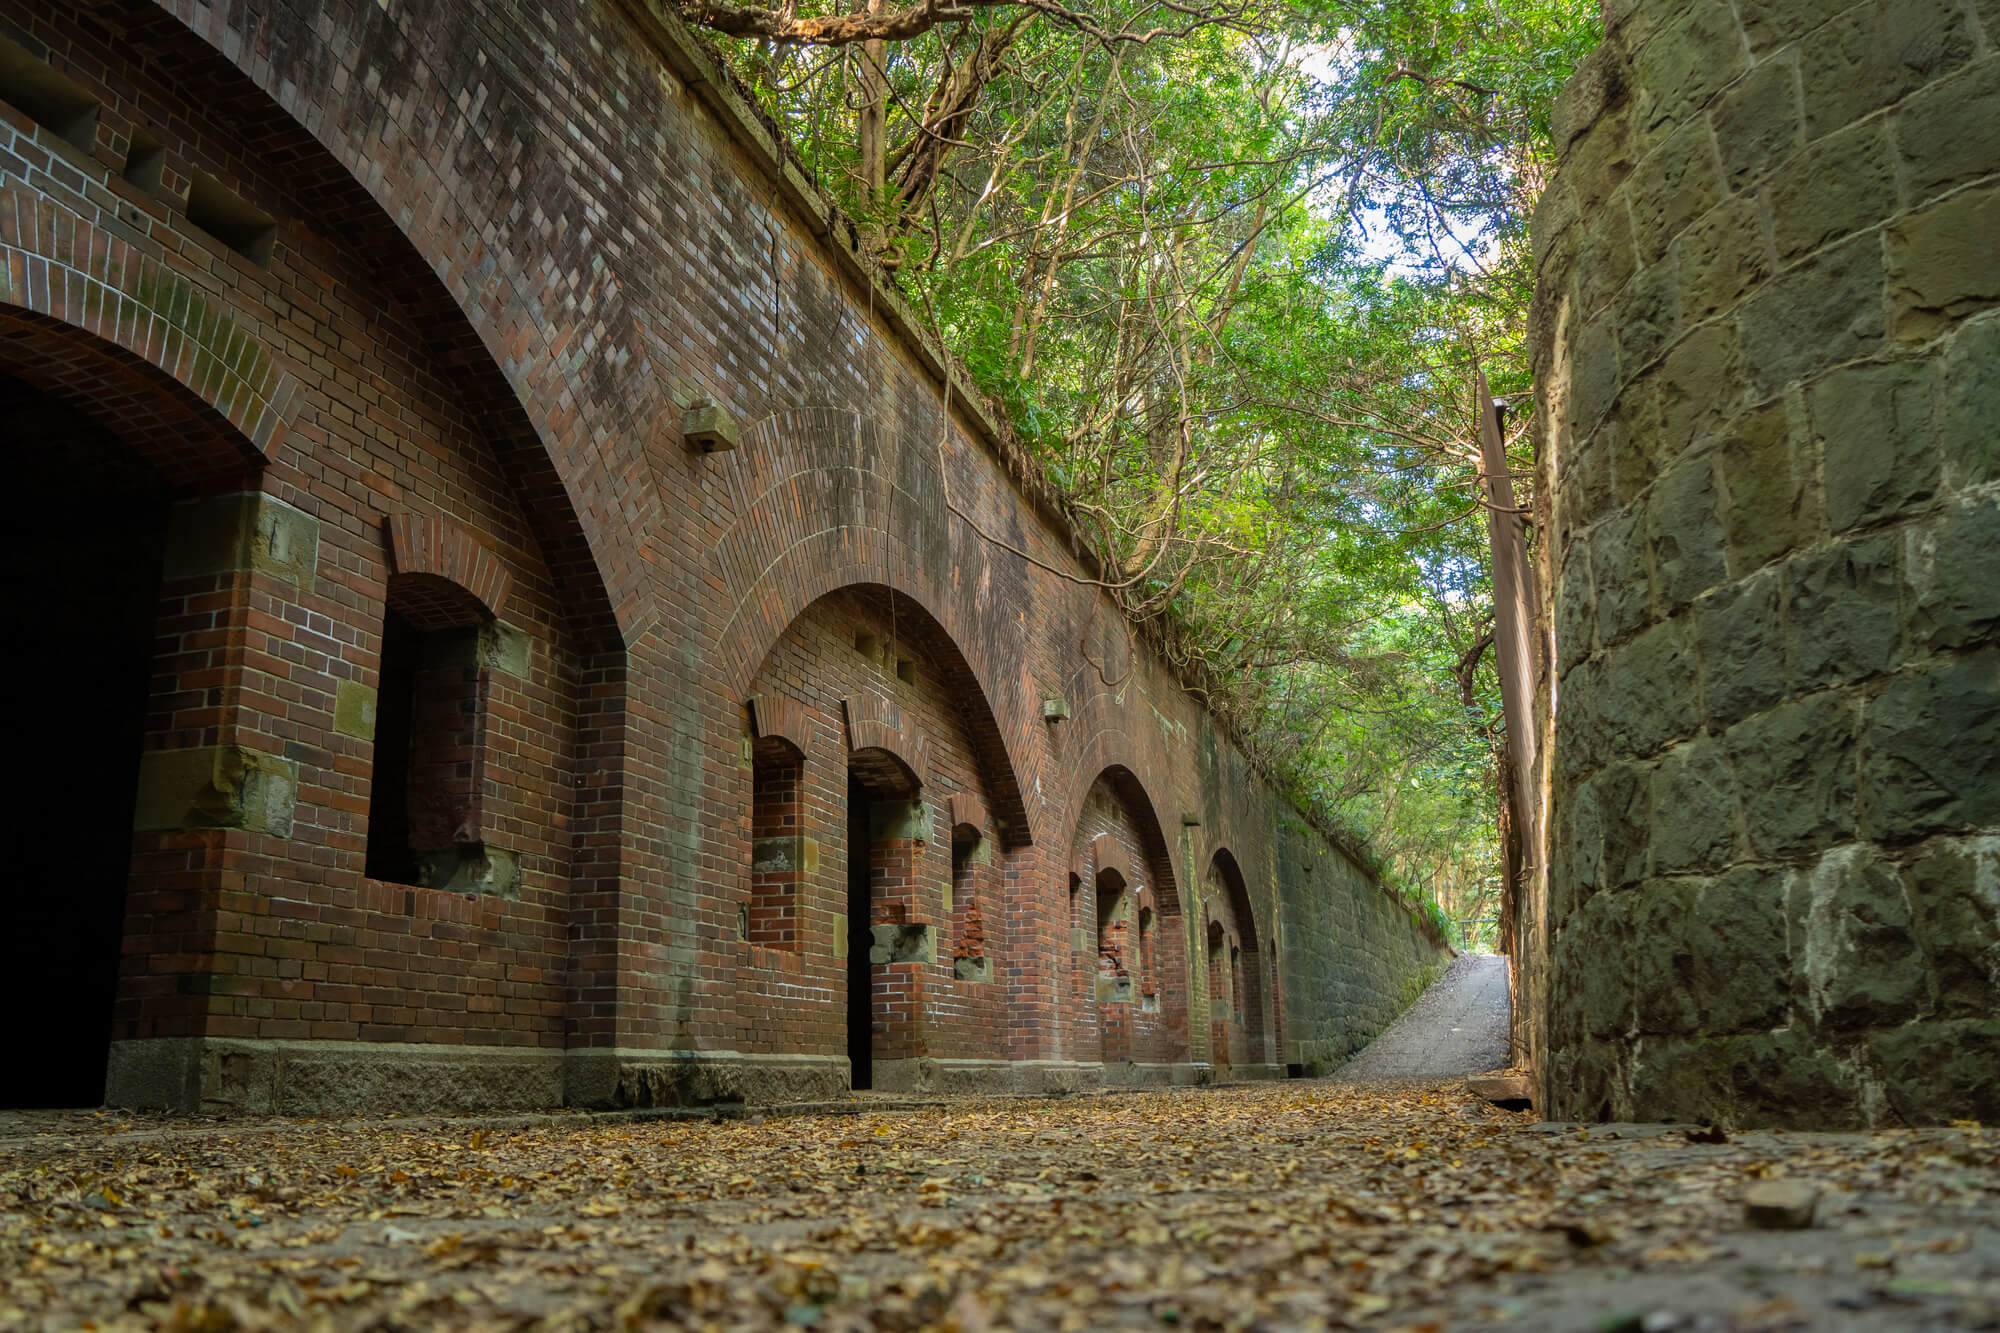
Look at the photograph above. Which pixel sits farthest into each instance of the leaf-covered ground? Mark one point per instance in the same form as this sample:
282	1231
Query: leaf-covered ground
1294	1205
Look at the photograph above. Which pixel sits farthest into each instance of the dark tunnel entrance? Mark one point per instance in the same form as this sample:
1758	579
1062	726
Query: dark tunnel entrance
83	556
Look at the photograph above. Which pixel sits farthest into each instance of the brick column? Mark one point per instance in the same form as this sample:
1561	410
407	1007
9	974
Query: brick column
216	793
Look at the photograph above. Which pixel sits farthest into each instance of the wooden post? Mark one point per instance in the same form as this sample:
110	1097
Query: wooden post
1513	592
1514	654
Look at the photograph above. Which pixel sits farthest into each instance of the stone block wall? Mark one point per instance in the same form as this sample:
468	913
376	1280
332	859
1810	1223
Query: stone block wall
1767	341
1329	907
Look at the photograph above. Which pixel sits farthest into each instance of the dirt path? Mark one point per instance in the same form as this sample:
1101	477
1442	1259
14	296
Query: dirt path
1458	1026
1298	1205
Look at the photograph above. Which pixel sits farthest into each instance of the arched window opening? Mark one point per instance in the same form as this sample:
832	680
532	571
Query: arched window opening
1114	958
1111	921
781	856
1237	1008
426	815
1218	995
971	858
1149	975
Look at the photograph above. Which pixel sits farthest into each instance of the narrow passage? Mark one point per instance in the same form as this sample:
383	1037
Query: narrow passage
1458	1026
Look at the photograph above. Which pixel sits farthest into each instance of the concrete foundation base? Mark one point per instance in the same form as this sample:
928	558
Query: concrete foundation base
1127	1074
249	1077
1249	1073
1032	1077
623	1077
926	1075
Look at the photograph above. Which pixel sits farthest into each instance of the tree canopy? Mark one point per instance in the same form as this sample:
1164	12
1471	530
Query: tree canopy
1228	265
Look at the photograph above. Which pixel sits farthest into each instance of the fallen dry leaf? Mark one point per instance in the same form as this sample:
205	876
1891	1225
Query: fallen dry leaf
1274	1206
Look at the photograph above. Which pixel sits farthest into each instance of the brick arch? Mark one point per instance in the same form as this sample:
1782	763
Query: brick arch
439	563
1146	875
966	810
1108	753
1108	856
488	290
84	315
817	512
782	719
1133	795
1257	981
876	724
1224	867
470	281
996	756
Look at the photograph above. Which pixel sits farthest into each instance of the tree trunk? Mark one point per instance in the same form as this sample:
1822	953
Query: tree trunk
871	128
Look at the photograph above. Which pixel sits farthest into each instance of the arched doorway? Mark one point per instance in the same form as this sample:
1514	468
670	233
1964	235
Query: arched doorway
82	548
1119	972
1221	1003
884	935
874	901
1124	1000
1236	968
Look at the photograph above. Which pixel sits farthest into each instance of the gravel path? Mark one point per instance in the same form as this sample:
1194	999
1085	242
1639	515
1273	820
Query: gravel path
1458	1026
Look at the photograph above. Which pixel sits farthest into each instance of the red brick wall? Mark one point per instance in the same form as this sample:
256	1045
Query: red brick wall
1236	964
1124	1030
921	1009
240	934
496	280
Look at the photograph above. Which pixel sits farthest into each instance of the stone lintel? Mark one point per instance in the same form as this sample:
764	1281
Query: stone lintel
892	821
240	533
492	645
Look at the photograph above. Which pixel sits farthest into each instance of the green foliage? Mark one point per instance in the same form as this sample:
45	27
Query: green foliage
1229	288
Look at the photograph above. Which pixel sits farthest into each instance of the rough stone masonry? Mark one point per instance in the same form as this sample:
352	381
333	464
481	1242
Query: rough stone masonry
1767	343
511	611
